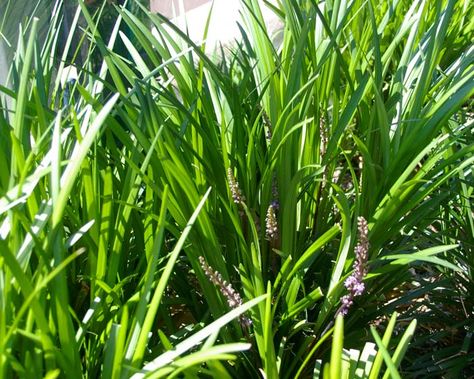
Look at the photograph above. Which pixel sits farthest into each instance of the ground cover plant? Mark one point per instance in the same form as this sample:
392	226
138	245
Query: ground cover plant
294	211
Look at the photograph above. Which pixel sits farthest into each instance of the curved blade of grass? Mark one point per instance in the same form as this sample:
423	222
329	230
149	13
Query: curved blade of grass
386	355
134	349
144	317
402	347
377	365
77	157
213	353
198	337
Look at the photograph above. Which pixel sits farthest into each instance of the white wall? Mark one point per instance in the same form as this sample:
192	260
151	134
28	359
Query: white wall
172	8
3	64
223	28
19	11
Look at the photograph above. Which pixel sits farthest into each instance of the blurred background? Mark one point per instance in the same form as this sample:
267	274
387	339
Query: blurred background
190	15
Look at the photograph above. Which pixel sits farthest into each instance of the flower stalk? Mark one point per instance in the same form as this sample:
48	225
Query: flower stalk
354	283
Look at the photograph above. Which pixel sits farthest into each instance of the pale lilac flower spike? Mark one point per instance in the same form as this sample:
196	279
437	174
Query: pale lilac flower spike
271	224
232	296
354	283
271	220
237	196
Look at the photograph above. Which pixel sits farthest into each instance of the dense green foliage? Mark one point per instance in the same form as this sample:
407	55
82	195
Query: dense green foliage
260	161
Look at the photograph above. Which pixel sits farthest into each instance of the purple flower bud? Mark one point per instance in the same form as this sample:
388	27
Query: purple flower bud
350	282
275	202
275	205
358	289
346	301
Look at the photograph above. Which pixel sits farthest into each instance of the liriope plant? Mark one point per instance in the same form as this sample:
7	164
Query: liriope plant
328	156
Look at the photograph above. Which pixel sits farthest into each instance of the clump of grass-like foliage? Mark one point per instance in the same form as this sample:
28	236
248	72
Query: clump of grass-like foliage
170	214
